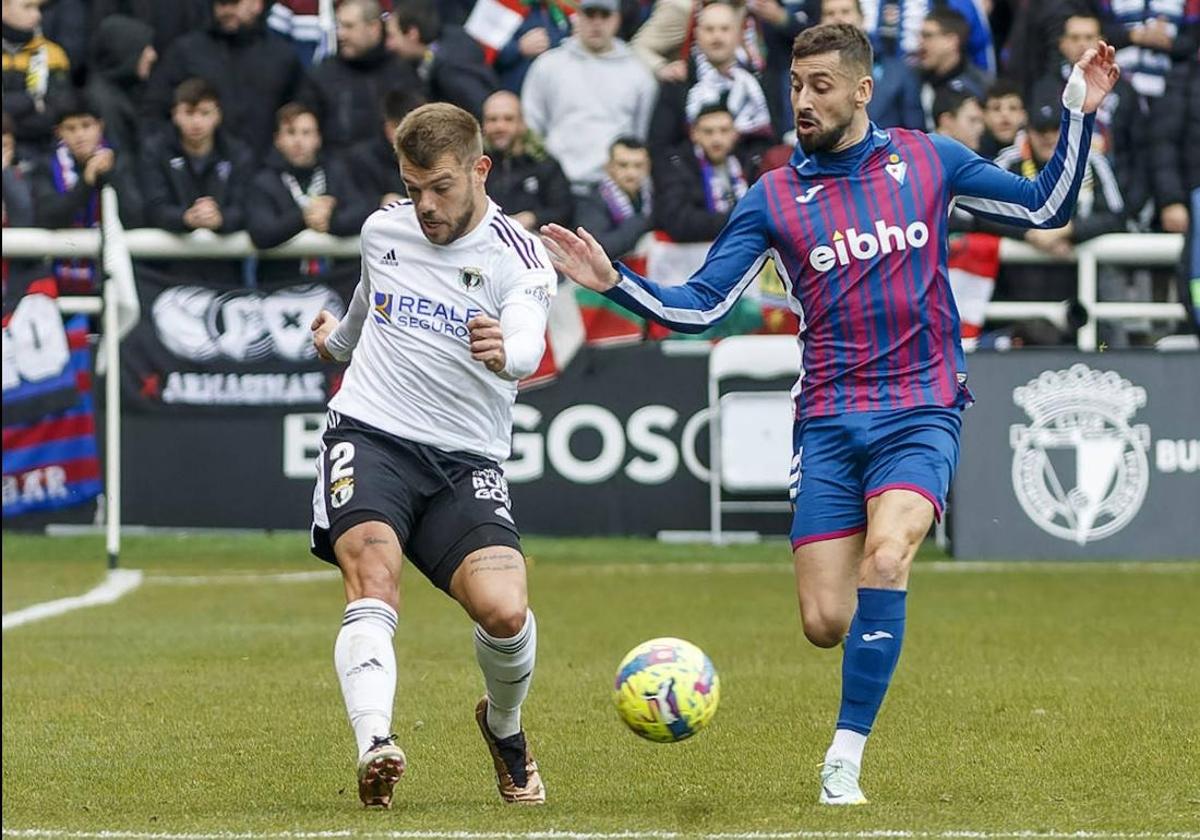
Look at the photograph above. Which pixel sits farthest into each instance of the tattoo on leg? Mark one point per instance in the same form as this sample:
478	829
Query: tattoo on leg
376	541
507	566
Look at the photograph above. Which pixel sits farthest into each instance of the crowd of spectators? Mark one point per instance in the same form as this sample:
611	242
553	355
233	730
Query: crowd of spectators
628	116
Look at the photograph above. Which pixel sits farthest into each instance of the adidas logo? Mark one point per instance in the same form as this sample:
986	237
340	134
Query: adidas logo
371	664
390	257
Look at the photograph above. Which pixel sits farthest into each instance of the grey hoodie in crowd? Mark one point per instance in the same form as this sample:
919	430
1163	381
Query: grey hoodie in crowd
580	103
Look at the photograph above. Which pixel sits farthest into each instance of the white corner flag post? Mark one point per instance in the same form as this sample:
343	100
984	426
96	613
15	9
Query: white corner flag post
121	312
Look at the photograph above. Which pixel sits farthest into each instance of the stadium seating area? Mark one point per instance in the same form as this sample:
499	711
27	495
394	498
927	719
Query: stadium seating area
644	121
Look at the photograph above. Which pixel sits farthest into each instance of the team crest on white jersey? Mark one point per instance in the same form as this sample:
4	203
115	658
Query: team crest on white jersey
897	168
471	278
1088	412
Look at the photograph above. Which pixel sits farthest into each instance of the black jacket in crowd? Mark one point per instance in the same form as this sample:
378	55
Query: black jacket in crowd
171	181
1175	146
347	94
373	169
617	238
679	205
53	209
169	20
523	182
459	73
254	71
113	86
273	217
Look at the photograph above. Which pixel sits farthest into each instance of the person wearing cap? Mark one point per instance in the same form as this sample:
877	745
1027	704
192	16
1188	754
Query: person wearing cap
1100	208
561	96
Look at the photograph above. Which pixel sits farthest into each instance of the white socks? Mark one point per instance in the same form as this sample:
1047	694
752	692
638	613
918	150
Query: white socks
366	667
507	666
847	746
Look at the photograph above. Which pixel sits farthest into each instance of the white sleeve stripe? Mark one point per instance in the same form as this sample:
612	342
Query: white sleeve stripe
692	316
1051	207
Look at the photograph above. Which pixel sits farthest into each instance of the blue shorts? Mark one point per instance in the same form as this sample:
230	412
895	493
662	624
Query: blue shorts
840	462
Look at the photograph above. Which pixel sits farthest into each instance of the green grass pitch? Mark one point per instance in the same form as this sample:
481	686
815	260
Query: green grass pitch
1028	699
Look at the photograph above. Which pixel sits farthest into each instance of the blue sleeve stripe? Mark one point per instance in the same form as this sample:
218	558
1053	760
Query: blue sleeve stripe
646	300
1062	187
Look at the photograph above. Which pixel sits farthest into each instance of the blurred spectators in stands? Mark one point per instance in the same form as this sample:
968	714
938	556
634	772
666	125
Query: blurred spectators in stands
123	57
169	20
195	177
1175	145
959	116
372	162
1121	124
345	90
619	209
1099	209
525	180
18	197
313	37
253	70
696	186
943	60
896	101
1032	49
582	95
894	25
1149	35
299	188
780	21
1003	117
36	73
1175	167
546	25
65	23
67	184
713	73
450	62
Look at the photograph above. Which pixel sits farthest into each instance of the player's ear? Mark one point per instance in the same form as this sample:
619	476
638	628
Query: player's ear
864	91
483	165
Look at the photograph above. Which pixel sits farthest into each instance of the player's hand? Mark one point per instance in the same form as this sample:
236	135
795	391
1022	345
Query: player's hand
487	342
1175	218
1099	72
579	256
322	326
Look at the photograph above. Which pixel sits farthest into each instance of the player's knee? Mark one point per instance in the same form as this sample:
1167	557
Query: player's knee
823	630
503	620
886	563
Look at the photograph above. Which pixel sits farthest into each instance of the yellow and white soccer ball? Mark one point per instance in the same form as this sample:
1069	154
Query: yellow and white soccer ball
666	690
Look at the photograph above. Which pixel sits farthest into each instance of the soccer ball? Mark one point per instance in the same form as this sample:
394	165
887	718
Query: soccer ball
666	690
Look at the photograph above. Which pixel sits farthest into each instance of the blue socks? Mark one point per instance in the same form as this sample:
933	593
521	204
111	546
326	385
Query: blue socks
872	651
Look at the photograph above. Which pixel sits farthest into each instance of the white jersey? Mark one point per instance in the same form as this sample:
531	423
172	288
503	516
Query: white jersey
411	373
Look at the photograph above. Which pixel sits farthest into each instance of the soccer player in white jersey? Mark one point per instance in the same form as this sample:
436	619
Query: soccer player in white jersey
449	313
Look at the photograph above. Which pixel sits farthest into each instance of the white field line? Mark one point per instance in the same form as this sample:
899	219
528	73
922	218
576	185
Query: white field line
244	577
937	567
118	583
589	569
654	834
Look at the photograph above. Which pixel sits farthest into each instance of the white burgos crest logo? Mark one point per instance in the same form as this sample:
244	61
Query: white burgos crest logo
1086	412
867	245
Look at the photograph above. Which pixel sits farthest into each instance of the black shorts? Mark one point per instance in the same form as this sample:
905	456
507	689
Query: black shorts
442	505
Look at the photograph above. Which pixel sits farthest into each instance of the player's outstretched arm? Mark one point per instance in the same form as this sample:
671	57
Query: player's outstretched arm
1047	201
733	261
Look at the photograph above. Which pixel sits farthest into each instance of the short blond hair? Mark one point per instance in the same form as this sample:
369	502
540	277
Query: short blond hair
439	128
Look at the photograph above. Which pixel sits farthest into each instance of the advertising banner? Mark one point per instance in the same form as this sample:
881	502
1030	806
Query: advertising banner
1069	456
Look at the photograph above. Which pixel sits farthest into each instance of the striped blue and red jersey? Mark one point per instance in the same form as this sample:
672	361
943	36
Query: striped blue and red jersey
860	241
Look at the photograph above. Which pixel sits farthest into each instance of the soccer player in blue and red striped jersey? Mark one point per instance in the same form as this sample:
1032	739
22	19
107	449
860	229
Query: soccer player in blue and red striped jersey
856	226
